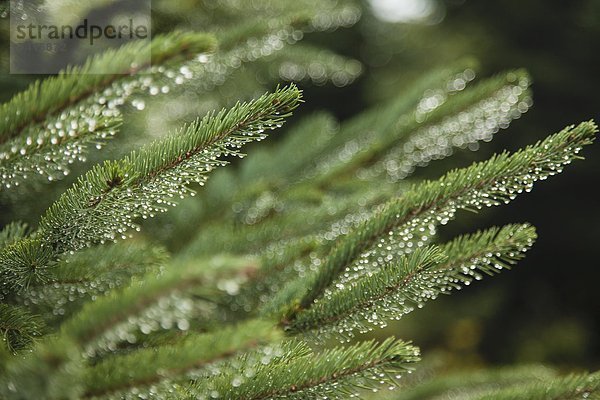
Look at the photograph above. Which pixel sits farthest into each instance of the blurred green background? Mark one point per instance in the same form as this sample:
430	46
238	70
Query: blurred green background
548	308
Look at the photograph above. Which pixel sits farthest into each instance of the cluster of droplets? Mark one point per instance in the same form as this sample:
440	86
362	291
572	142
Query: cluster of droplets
172	312
387	249
111	215
433	98
542	164
260	208
48	150
321	69
463	130
350	221
344	154
210	71
415	233
239	371
409	294
157	194
62	296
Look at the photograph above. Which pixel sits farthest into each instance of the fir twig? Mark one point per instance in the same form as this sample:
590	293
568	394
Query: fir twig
396	289
18	327
147	367
336	374
50	96
103	204
427	204
48	126
572	387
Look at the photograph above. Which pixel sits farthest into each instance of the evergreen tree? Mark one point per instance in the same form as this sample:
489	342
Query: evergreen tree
318	237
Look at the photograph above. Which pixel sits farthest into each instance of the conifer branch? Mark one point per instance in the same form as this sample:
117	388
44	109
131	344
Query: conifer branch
103	204
18	327
49	125
473	382
140	369
350	149
107	199
430	203
373	299
91	327
463	120
572	387
13	232
74	84
90	273
441	120
379	120
337	373
396	289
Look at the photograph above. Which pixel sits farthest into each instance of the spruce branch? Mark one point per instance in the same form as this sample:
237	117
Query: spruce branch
104	204
430	203
101	324
373	299
441	120
462	121
379	120
18	327
88	274
107	199
49	125
13	232
72	85
174	362
575	386
396	289
473	382
363	133
337	373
